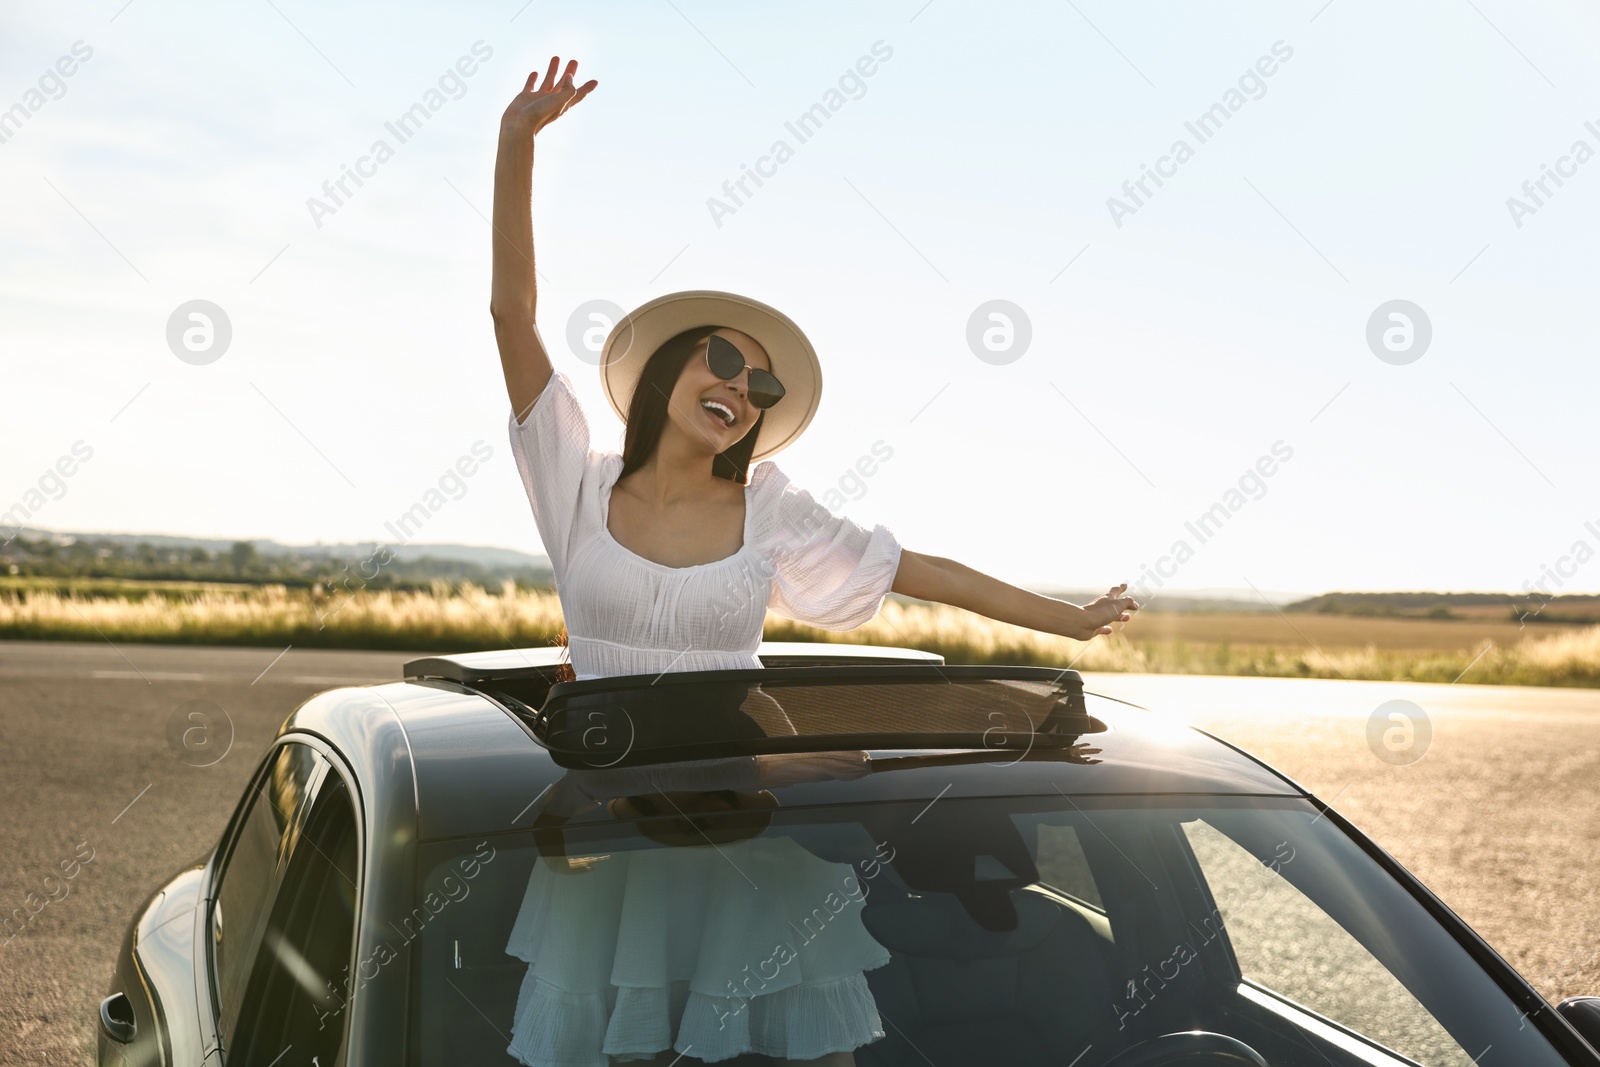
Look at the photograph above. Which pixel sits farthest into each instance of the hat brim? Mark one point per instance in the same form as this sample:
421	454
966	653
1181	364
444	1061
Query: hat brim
634	339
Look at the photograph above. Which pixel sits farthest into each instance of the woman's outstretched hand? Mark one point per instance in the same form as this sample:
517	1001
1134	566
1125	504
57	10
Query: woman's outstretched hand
535	108
1113	607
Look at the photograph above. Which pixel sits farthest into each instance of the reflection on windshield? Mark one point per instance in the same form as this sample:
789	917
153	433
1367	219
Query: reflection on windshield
661	914
725	941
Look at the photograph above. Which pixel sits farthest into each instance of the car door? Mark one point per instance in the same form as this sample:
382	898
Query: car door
282	916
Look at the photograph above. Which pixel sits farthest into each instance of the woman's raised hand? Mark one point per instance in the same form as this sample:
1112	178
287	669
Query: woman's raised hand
535	108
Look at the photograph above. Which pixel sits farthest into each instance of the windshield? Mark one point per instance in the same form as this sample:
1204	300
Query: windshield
1051	930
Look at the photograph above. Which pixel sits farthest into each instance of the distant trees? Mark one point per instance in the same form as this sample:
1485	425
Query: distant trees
244	556
241	561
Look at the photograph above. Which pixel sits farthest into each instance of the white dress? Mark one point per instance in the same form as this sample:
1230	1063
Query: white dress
755	946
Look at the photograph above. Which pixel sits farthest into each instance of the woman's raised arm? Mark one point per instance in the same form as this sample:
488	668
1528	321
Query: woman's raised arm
947	582
512	296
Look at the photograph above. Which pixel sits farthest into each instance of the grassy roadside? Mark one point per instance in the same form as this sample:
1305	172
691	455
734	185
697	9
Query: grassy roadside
469	617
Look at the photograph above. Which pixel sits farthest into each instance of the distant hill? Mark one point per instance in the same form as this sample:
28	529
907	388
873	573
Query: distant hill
1211	601
63	553
1523	607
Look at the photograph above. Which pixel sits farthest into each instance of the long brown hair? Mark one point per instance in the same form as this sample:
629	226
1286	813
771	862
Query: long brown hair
647	411
647	417
564	671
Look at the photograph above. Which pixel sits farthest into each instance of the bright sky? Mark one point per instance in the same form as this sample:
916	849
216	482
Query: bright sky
1210	328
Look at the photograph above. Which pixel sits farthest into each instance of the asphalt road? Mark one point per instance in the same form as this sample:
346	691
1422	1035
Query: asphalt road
1501	817
85	765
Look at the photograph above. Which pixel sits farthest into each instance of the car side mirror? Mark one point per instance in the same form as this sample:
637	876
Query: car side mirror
117	1019
1584	1015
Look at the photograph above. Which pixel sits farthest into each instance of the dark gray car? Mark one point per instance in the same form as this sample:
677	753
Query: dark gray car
1054	877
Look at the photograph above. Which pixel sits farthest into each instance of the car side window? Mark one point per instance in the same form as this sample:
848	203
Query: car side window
1286	943
255	860
300	980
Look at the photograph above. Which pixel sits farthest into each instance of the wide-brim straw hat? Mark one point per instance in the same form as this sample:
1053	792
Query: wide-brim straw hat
636	337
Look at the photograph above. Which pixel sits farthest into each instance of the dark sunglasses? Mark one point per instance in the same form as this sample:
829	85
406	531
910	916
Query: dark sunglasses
726	362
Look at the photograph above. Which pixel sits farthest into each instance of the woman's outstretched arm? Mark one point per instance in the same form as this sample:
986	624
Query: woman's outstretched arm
512	294
947	582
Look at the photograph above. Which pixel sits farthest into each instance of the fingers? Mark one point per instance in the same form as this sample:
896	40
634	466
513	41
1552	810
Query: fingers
550	75
1120	602
565	84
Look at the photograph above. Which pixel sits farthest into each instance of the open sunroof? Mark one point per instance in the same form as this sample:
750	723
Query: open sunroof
684	715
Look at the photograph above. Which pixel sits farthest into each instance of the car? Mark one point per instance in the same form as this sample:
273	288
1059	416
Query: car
1047	876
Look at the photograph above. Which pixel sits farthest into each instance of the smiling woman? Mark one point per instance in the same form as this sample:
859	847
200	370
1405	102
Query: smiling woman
646	546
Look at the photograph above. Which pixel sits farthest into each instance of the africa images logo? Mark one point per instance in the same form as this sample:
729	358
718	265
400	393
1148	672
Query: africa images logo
1202	128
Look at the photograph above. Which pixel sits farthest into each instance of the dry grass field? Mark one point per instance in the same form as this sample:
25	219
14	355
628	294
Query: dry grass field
1493	650
1338	631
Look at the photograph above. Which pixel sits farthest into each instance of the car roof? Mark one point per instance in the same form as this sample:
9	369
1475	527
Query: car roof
475	768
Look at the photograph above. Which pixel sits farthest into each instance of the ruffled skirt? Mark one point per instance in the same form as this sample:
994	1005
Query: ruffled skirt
755	946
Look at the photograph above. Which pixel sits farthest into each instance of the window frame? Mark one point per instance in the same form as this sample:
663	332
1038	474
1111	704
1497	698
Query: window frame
328	761
223	857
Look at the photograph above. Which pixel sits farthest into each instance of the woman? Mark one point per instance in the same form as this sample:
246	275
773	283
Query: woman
667	557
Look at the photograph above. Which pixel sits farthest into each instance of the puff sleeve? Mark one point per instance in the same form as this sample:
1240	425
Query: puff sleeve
552	450
827	570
